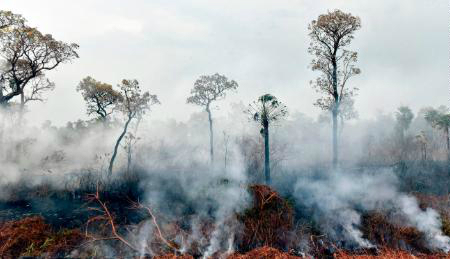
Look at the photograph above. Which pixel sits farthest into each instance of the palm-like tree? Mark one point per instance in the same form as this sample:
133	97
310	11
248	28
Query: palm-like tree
266	110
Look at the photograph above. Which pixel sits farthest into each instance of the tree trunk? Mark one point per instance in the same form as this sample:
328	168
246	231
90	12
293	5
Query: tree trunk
116	147
266	154
448	143
225	140
335	139
2	101
335	111
211	136
128	158
22	107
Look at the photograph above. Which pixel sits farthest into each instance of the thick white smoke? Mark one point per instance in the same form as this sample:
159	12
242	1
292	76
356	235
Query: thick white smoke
339	199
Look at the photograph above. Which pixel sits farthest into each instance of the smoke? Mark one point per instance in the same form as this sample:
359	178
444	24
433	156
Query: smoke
179	184
428	222
340	198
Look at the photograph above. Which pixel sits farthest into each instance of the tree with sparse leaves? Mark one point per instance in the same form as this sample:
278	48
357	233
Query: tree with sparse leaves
26	55
208	89
133	104
330	34
267	110
100	98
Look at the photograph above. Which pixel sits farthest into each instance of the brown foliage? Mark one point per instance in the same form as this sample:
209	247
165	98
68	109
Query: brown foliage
100	97
377	228
263	253
29	54
389	254
173	256
268	223
32	236
438	203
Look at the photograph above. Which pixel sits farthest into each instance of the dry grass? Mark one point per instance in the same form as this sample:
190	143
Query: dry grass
390	254
440	204
173	256
263	253
31	236
378	229
268	223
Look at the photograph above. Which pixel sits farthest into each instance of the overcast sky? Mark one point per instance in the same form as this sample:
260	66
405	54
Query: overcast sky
403	50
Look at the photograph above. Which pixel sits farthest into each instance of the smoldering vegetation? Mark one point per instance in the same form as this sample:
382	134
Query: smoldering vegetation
164	197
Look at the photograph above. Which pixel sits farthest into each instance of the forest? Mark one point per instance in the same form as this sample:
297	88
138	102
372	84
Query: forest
258	180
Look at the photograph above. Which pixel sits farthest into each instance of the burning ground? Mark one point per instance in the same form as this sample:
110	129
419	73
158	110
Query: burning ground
143	214
172	204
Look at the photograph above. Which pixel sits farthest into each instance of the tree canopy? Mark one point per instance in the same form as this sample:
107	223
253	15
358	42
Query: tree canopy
267	109
210	88
330	34
27	54
101	98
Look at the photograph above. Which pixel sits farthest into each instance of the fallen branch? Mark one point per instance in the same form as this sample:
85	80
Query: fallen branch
173	245
106	216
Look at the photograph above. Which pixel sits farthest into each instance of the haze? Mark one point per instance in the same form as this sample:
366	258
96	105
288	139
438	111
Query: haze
167	45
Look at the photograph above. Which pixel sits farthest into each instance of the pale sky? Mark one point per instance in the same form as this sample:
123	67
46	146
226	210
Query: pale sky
403	50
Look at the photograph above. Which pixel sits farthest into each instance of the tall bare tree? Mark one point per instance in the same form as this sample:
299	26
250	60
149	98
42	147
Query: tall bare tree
266	110
208	89
133	105
27	54
101	98
330	34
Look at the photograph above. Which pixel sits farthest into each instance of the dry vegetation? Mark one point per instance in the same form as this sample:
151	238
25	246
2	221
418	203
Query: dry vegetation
31	236
268	231
269	222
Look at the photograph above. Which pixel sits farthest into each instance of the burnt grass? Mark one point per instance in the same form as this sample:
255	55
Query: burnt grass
70	208
273	221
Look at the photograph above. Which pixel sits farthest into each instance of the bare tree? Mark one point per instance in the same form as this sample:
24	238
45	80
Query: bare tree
27	54
330	34
208	89
101	98
133	105
266	110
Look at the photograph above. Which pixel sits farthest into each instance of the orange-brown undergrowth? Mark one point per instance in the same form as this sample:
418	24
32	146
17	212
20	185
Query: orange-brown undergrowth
31	236
269	222
378	229
390	254
263	253
439	203
273	253
172	256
